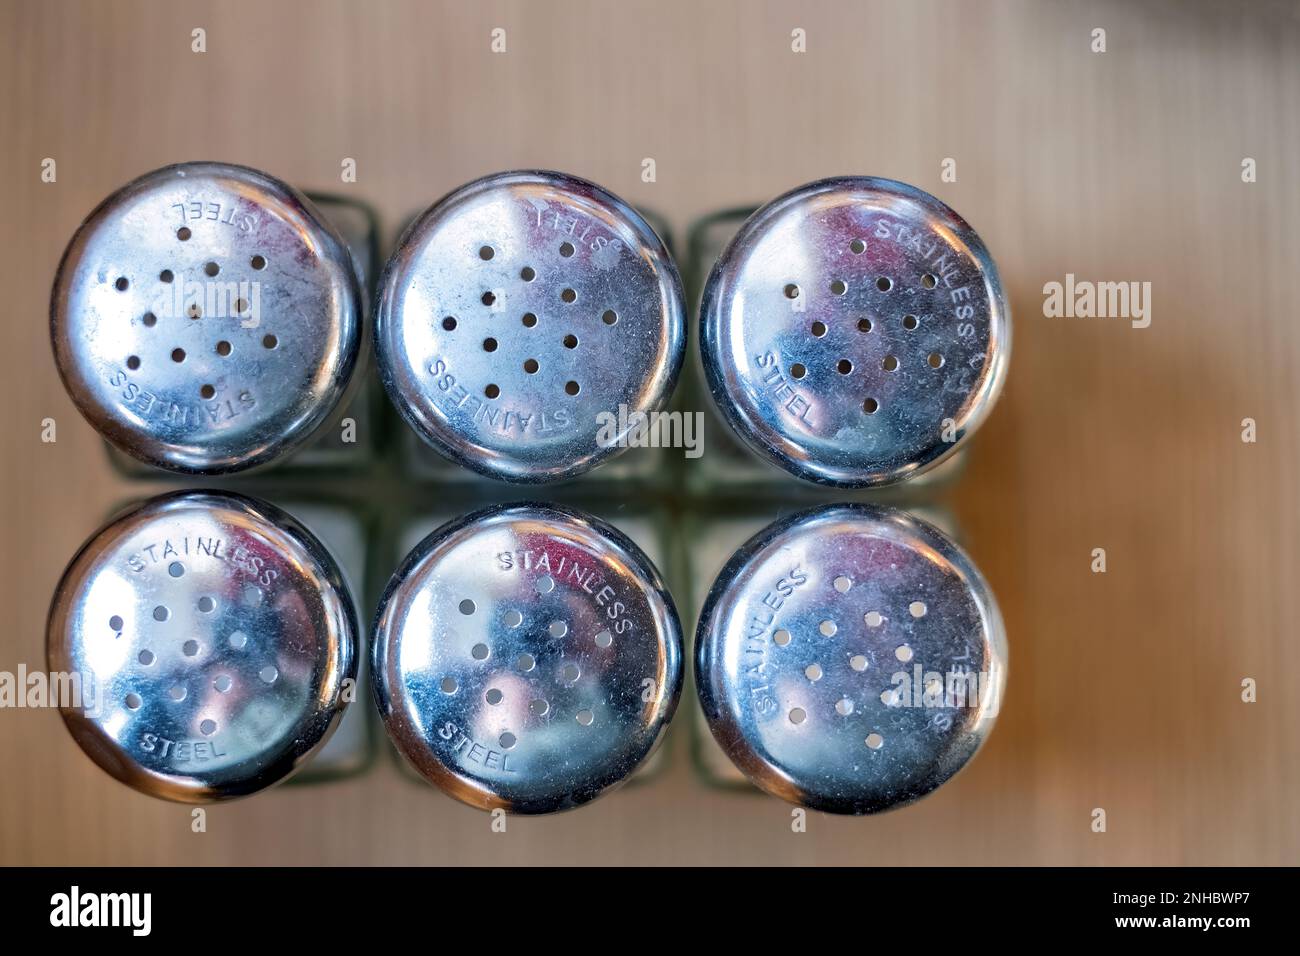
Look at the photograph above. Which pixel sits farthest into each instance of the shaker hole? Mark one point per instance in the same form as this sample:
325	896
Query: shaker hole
467	607
492	391
258	262
572	388
486	252
870	406
133	362
479	652
609	317
819	329
798	715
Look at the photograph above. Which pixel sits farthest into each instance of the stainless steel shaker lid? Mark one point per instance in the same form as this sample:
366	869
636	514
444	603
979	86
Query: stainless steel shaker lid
518	311
850	659
215	633
205	319
855	331
526	657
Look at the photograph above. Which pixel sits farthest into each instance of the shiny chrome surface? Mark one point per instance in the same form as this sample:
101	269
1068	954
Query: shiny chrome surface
516	311
205	318
218	634
855	332
526	657
819	648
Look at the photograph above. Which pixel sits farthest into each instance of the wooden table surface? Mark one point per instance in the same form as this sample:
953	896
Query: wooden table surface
1125	687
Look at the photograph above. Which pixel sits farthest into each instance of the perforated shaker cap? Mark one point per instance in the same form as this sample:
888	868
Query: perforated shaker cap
205	318
855	332
526	657
216	635
520	315
850	659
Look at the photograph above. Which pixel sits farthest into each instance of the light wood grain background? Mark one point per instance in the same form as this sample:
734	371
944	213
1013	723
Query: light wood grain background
1125	687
